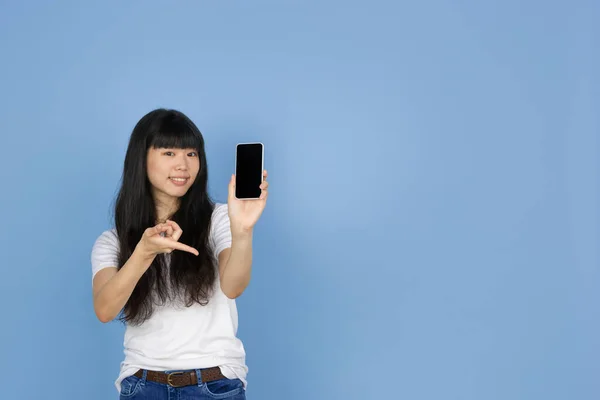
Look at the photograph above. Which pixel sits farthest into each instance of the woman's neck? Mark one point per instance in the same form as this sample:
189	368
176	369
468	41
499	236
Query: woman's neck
166	206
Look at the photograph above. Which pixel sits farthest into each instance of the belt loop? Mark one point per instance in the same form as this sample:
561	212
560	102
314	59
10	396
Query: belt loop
199	376
144	375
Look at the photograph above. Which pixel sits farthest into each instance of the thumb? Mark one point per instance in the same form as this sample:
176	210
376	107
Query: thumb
232	187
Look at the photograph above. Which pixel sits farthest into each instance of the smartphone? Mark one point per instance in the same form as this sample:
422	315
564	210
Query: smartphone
249	167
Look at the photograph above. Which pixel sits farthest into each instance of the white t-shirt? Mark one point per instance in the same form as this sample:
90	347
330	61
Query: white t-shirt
178	337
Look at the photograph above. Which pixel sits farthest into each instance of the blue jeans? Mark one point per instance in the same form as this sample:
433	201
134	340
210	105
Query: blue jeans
134	388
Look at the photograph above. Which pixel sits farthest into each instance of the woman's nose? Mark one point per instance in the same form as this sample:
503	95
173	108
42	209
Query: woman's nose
182	163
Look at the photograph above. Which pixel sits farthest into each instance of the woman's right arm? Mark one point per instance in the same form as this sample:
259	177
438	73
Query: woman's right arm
111	288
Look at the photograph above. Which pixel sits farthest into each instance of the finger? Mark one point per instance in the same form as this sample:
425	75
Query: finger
168	245
264	185
265	175
156	230
164	230
183	247
264	194
231	188
174	225
177	231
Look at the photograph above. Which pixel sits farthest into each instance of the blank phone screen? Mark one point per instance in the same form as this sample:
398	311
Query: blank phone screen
248	170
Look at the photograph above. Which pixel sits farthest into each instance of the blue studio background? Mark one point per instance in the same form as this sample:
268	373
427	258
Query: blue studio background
432	229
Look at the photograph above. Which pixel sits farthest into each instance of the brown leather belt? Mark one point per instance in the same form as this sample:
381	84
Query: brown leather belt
180	379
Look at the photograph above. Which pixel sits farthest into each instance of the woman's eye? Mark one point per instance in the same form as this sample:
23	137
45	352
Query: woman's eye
168	153
193	154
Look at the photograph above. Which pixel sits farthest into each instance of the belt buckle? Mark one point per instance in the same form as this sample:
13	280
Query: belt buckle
170	376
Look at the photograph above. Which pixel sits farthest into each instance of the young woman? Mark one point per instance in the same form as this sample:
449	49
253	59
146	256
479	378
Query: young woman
173	266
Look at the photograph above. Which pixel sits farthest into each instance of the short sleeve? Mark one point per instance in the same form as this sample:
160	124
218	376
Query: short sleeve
105	251
220	231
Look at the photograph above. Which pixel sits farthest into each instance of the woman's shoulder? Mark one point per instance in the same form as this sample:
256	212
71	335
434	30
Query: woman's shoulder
109	234
220	209
220	212
105	250
220	234
107	237
220	215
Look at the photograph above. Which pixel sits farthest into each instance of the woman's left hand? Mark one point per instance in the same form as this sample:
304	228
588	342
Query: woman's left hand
243	214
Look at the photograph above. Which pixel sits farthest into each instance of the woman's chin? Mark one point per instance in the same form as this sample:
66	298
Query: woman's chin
178	193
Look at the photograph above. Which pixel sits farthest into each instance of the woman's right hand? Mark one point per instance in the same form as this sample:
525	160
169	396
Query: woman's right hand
163	238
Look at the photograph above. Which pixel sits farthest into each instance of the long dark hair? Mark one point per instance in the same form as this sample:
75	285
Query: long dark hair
135	210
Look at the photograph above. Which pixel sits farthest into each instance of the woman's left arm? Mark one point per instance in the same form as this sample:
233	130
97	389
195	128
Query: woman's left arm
235	263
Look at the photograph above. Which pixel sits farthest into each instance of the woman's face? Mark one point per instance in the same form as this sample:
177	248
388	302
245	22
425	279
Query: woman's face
172	171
